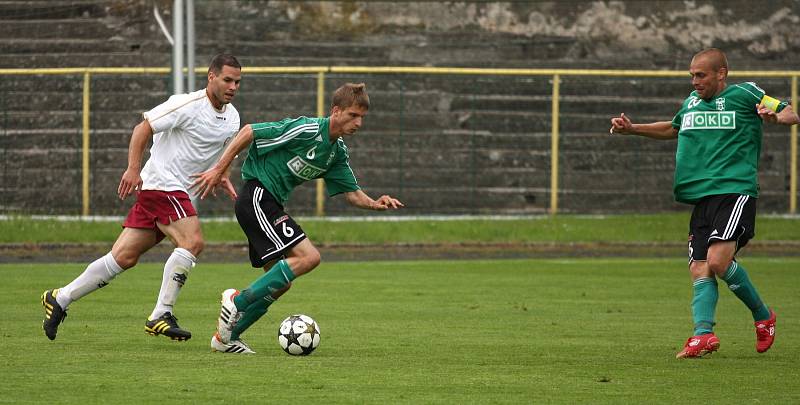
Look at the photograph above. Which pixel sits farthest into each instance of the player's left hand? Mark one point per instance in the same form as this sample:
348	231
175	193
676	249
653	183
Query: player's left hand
766	114
207	181
386	202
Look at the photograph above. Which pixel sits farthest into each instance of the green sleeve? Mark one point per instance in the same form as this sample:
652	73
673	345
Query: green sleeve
677	119
340	178
273	135
758	93
781	106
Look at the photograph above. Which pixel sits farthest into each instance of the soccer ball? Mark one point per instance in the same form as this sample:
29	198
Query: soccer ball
298	335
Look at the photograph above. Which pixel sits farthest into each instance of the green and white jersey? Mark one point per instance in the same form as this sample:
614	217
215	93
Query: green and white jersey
287	153
719	143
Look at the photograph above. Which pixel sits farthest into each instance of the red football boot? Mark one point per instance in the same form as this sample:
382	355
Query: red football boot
699	346
765	333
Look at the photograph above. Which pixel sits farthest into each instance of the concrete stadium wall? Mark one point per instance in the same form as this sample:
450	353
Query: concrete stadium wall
443	144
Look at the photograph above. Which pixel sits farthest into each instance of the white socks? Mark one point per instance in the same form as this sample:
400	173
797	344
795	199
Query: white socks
96	275
101	271
176	270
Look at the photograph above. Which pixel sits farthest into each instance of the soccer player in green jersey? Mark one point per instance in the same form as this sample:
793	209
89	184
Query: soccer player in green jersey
283	155
716	169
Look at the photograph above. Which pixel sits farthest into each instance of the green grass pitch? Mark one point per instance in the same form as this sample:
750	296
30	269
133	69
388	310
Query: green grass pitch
493	331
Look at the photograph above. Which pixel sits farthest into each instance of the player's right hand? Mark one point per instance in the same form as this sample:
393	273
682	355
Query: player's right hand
620	125
386	202
131	180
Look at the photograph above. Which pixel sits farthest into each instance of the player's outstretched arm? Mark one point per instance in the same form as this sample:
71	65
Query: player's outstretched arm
360	199
207	181
656	130
131	179
787	116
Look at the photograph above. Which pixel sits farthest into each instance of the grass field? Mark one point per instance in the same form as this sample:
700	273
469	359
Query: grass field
667	227
501	331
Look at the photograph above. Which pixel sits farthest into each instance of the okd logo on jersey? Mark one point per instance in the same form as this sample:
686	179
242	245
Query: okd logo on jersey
303	169
709	120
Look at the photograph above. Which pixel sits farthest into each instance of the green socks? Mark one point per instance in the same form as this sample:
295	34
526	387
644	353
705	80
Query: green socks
252	314
256	299
276	279
706	295
740	284
704	304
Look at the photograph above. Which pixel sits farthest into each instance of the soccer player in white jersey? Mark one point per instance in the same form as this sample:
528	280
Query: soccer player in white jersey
189	133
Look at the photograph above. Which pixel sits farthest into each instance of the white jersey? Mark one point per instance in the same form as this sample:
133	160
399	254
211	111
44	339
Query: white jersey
189	135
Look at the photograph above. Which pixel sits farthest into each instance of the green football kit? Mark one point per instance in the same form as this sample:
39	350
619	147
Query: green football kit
716	170
283	155
719	143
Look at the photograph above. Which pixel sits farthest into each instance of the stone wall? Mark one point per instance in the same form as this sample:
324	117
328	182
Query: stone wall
445	144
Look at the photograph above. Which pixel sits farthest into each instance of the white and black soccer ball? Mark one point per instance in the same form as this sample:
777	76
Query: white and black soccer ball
298	335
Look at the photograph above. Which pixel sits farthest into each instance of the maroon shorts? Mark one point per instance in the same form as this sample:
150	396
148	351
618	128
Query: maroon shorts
158	206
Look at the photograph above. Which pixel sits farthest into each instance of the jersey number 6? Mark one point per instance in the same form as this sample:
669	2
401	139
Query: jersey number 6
287	230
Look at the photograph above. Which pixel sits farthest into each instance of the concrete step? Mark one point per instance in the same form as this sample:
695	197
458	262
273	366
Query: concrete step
53	29
69	46
51	10
55	59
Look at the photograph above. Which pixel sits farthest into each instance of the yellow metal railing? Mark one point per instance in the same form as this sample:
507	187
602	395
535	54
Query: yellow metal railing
555	74
86	146
554	144
793	153
320	211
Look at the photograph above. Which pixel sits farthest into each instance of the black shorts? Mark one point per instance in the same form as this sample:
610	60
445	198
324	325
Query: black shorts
724	217
270	231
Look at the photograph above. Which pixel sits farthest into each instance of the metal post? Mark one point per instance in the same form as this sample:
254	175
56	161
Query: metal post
190	41
320	113
793	157
85	157
177	48
554	147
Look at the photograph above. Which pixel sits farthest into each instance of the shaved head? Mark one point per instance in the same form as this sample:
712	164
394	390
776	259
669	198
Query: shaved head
709	70
714	57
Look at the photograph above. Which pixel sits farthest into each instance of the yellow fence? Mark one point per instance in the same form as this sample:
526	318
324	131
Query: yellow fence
555	74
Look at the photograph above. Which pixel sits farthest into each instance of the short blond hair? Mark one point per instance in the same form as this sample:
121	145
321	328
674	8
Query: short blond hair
351	94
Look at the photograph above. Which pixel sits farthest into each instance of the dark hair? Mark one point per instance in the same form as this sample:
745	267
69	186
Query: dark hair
351	94
223	59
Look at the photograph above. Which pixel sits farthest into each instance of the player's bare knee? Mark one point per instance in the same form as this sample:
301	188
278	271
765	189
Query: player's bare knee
313	259
718	266
194	245
126	260
307	261
199	245
699	269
